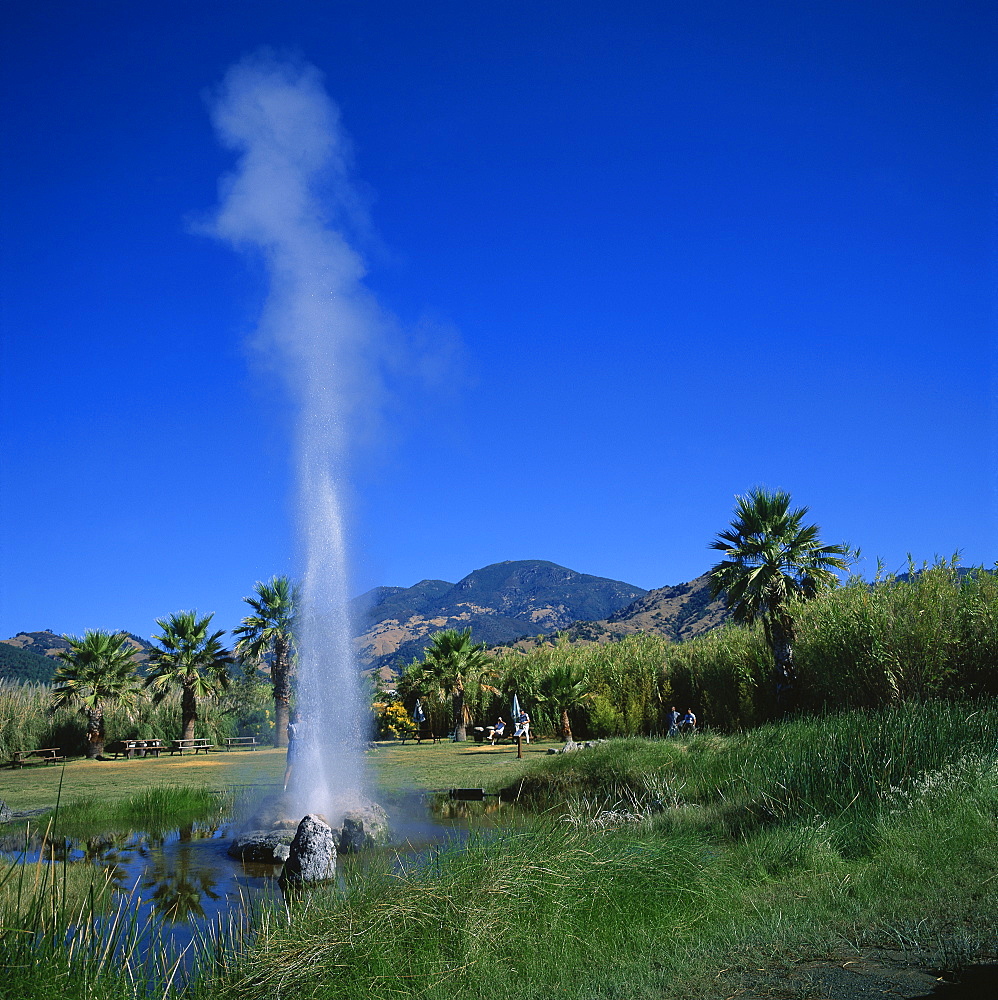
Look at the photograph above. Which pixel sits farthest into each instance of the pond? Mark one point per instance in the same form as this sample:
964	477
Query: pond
179	887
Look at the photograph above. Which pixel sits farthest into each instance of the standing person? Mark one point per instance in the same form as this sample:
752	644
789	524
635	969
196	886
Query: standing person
294	746
523	725
419	717
688	723
673	718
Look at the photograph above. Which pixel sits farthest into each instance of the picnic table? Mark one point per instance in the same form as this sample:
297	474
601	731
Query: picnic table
240	743
419	735
47	755
198	746
136	748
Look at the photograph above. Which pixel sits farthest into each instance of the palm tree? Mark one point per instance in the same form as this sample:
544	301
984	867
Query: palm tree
272	629
191	659
563	688
97	671
451	662
773	558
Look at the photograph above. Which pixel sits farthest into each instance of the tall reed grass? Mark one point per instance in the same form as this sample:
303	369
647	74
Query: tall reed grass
27	720
932	633
69	929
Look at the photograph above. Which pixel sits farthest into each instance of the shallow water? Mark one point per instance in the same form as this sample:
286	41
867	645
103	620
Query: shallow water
180	887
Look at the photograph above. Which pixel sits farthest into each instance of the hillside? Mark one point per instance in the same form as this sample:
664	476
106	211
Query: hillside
678	612
17	664
34	655
499	603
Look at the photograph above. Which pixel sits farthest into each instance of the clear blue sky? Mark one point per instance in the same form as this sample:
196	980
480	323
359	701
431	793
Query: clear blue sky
669	251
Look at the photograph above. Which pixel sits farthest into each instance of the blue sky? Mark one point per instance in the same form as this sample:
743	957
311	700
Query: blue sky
651	255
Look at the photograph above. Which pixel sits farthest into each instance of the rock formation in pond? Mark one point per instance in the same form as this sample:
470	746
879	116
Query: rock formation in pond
312	856
266	846
266	836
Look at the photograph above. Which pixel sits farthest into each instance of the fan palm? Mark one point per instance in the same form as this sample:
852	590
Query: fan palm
563	688
451	662
189	658
272	629
98	670
771	559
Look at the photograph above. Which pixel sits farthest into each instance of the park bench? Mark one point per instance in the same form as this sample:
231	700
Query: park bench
198	746
240	743
48	755
135	748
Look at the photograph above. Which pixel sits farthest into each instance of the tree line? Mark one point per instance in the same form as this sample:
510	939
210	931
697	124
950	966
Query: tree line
800	641
99	670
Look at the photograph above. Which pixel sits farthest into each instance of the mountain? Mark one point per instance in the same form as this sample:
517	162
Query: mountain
24	656
678	612
499	603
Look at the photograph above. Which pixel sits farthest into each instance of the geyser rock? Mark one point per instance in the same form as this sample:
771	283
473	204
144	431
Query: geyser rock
362	827
267	846
312	854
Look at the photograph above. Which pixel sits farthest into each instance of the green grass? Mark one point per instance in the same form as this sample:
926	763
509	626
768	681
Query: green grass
805	841
37	787
438	766
156	810
809	840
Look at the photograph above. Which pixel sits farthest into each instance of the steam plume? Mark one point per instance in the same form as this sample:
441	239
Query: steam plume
291	201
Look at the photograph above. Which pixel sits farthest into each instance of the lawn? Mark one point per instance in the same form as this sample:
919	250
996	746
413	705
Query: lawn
445	765
393	766
37	786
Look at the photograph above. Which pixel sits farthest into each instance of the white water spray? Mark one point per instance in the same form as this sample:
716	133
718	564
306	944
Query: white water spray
290	200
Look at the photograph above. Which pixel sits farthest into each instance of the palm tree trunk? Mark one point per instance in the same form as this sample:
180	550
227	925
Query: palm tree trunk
188	712
780	633
95	732
280	676
457	700
566	726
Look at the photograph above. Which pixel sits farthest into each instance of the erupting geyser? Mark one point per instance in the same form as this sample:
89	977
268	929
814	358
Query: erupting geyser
290	201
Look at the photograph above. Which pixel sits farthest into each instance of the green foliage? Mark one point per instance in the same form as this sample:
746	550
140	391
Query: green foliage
933	632
272	630
774	560
156	811
97	671
28	721
785	844
452	664
191	660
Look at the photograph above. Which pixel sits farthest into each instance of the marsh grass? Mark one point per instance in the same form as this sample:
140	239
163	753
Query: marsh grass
67	929
812	839
156	811
809	840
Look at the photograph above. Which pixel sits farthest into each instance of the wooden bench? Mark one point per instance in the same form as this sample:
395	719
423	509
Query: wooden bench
48	755
198	746
240	743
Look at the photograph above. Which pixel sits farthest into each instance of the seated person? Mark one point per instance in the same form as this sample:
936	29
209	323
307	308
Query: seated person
498	730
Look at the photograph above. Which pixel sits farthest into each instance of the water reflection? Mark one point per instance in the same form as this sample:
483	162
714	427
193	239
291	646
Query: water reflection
181	886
